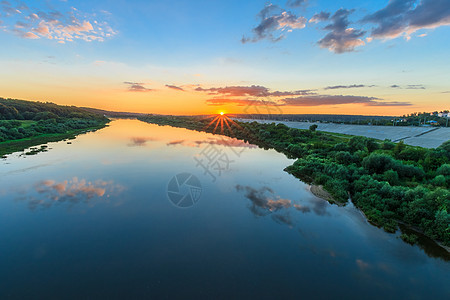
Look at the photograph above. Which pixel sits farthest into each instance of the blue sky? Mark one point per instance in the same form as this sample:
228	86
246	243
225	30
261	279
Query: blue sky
379	56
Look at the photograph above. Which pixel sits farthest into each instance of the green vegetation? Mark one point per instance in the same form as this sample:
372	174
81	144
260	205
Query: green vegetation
24	123
388	181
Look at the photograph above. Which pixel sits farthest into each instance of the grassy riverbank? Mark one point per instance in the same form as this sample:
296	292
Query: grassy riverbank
388	181
25	123
12	146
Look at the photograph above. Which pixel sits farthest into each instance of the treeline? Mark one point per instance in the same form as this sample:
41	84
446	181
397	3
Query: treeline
21	119
416	119
389	182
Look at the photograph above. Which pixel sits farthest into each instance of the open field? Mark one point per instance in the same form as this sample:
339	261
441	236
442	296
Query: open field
427	137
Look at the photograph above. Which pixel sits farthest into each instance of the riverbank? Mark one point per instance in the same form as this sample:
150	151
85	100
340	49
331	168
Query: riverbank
426	137
12	146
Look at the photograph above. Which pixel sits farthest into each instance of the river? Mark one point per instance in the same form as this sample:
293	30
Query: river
137	211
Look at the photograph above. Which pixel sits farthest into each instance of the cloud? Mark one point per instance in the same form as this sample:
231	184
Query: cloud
322	16
173	87
256	95
391	103
254	91
415	87
273	19
55	25
8	9
296	3
318	100
137	87
409	87
240	102
404	17
27	35
335	87
341	38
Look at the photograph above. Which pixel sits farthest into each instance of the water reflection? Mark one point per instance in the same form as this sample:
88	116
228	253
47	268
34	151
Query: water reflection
264	201
73	191
140	141
220	141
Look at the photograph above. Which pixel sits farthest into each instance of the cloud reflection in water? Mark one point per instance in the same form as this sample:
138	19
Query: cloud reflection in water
74	191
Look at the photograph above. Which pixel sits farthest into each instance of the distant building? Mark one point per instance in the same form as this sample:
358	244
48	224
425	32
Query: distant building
444	115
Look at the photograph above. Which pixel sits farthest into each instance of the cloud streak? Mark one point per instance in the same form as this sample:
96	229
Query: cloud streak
257	95
173	87
353	86
254	91
137	87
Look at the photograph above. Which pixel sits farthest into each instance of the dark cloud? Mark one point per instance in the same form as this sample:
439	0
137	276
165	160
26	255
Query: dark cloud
409	87
318	100
296	3
240	102
8	9
254	91
327	100
137	87
415	87
322	16
335	87
252	96
391	103
341	38
20	24
273	20
404	17
173	87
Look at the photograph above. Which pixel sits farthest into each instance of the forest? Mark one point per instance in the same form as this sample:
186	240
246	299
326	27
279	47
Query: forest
390	182
25	123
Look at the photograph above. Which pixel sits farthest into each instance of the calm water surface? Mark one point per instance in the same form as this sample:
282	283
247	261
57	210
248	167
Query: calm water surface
93	219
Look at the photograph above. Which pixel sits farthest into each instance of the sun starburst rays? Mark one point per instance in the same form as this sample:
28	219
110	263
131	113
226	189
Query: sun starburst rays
223	120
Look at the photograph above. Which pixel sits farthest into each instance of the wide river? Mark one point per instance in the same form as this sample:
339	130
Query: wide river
137	211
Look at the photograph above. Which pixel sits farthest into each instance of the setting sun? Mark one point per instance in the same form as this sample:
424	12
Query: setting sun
222	113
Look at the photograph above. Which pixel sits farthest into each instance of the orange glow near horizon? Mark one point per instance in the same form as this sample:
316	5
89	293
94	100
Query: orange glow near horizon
107	96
